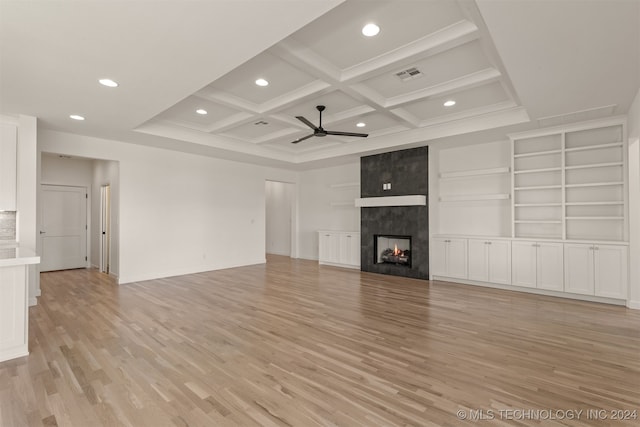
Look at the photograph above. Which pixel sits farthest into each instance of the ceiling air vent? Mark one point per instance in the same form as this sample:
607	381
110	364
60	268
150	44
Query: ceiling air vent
409	74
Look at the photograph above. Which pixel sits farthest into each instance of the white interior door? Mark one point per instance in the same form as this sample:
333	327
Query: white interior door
63	213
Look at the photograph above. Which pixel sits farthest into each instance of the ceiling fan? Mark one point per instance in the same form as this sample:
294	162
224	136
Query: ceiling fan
320	131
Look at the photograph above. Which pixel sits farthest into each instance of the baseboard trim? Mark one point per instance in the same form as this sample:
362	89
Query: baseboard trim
635	305
183	272
14	353
535	291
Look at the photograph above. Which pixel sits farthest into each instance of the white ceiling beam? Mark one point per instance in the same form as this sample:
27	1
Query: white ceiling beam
228	100
454	35
465	82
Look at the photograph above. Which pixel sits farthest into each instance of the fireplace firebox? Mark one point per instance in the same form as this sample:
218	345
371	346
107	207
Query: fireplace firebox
390	249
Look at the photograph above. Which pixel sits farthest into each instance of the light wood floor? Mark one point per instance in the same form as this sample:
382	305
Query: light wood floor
294	344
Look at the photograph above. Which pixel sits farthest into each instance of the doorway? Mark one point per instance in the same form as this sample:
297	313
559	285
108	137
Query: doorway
279	210
63	229
105	228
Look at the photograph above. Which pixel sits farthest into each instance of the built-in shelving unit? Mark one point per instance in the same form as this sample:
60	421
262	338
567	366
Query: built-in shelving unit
569	183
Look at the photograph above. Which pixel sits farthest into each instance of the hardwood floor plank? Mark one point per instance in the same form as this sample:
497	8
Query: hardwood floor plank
292	343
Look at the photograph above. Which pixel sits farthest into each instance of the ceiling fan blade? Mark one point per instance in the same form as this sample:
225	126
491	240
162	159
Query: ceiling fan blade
362	135
302	139
306	122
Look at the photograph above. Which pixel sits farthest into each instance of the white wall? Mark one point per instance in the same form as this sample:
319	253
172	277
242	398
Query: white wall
106	172
56	170
320	201
279	217
475	218
179	213
633	126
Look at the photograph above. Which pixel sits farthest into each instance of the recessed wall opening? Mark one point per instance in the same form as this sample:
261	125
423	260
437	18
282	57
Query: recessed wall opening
392	249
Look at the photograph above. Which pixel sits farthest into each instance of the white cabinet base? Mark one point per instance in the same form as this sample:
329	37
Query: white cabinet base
535	291
13	312
339	249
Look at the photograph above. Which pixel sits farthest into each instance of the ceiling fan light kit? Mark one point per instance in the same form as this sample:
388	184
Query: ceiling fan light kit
320	131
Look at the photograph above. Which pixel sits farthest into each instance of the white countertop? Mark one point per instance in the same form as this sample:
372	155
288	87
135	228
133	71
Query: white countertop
12	256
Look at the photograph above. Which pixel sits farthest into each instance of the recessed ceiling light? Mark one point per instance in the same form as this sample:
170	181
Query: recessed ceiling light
76	117
361	125
449	103
370	30
201	111
108	83
262	82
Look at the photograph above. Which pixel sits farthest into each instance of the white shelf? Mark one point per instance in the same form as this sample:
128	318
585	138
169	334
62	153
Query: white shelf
537	153
595	184
350	203
371	202
537	221
537	170
594	147
595	165
538	187
476	172
532	205
345	185
596	218
474	197
593	203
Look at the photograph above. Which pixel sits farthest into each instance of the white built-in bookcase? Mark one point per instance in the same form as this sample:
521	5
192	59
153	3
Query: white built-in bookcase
569	183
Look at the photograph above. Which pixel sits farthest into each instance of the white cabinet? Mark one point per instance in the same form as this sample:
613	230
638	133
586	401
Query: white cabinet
538	265
8	147
13	312
594	269
340	248
449	257
489	261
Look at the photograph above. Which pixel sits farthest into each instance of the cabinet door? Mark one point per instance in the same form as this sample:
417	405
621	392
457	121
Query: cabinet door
550	266
324	247
349	249
610	269
478	264
335	254
524	264
499	261
578	269
13	312
457	258
8	158
438	264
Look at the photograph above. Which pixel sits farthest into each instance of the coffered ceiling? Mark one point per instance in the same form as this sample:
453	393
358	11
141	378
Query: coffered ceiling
506	65
426	53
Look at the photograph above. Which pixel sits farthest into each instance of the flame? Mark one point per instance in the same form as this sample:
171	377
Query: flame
397	251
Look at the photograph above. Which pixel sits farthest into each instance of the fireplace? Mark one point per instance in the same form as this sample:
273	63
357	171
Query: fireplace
390	249
383	226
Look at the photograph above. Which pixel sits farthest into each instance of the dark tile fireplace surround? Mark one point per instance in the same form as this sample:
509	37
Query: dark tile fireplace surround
407	172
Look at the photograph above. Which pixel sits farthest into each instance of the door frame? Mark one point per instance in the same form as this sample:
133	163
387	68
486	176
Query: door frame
105	229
